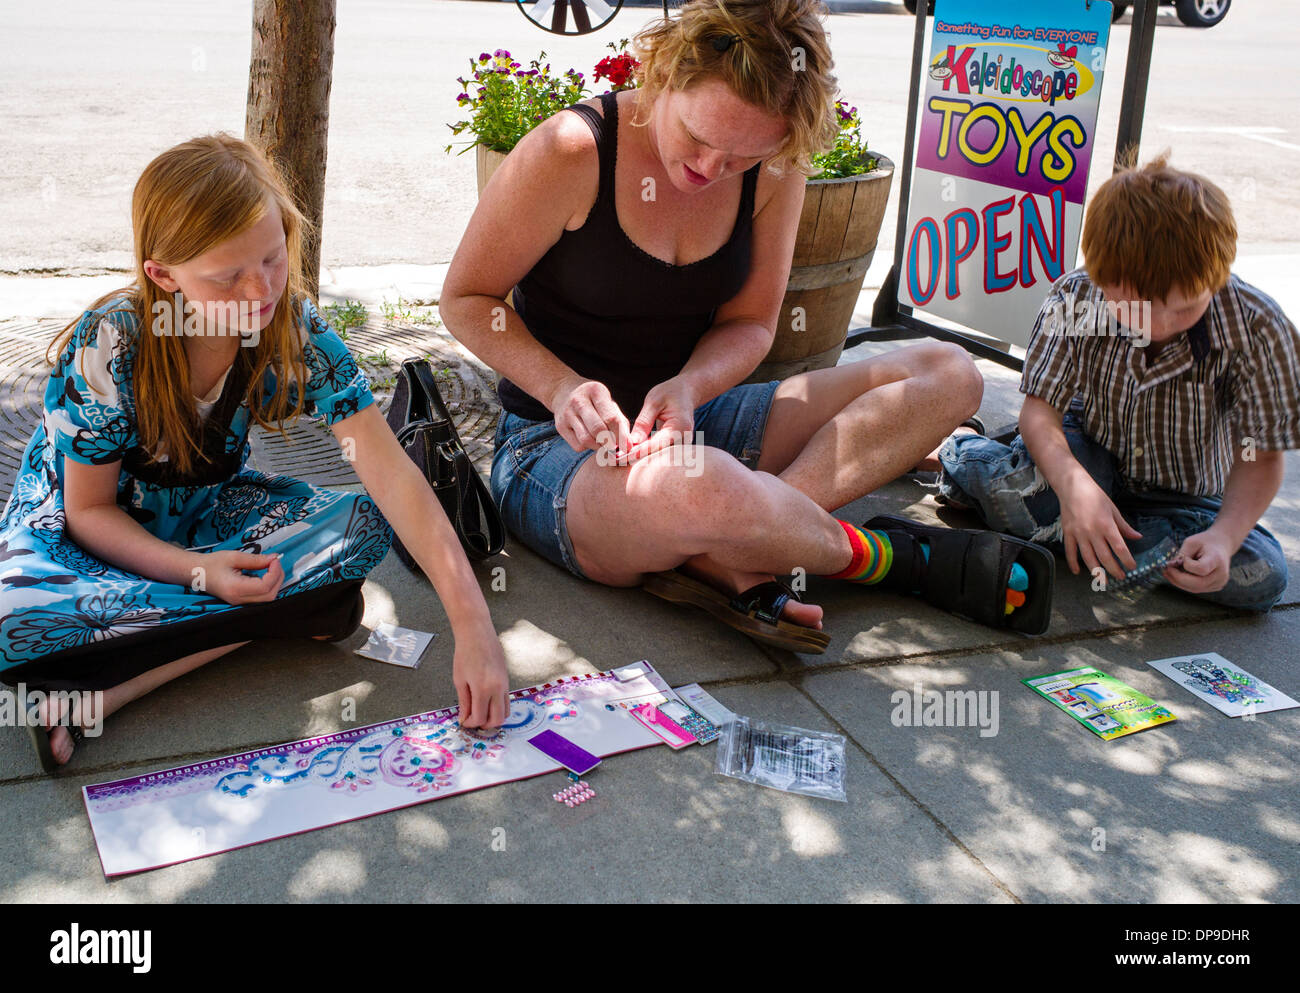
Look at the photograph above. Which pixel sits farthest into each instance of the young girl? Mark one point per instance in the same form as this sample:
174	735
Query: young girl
137	545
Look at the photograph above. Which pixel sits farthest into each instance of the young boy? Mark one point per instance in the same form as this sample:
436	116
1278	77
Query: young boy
1161	393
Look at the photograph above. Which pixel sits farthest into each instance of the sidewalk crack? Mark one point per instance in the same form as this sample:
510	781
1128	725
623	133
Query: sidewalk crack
919	804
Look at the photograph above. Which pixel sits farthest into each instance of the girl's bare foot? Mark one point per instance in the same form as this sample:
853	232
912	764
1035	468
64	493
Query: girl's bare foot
85	711
92	706
931	462
706	570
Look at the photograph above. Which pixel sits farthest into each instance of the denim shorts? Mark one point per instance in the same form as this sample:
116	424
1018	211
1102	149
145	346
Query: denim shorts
533	467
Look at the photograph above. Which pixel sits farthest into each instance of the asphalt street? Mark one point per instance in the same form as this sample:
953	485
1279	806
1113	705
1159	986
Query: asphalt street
89	92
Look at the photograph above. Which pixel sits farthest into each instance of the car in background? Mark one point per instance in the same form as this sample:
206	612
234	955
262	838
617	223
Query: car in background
1193	13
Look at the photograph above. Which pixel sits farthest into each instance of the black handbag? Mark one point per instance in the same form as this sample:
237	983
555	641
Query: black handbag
423	427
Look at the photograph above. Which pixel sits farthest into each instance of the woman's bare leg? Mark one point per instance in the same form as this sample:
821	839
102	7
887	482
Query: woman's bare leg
838	434
120	695
832	436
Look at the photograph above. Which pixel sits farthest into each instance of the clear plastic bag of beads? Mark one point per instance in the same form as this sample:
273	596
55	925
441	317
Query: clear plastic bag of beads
784	758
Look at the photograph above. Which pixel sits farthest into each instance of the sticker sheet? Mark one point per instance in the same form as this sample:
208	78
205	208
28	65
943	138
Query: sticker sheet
1103	704
198	810
1214	680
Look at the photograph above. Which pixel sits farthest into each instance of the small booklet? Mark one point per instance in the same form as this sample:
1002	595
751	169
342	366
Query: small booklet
1101	703
398	646
1216	681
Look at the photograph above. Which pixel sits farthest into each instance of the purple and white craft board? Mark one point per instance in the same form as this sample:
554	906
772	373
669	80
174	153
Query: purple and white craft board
210	807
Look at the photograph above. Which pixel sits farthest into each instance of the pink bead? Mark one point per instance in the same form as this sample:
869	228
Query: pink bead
568	803
582	783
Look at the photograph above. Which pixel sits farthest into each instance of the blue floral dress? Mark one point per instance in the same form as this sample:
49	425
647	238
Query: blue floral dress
70	620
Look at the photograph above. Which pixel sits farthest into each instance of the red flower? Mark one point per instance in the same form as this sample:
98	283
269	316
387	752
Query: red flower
618	69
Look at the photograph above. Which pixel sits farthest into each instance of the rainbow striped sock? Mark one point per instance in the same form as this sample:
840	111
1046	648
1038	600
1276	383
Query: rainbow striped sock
873	554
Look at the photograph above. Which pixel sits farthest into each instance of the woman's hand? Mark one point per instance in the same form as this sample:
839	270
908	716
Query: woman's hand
671	405
223	576
586	416
482	682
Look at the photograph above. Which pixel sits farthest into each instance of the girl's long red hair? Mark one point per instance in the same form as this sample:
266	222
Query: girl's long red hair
189	199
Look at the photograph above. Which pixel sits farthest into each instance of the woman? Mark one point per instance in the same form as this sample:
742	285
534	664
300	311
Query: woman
649	248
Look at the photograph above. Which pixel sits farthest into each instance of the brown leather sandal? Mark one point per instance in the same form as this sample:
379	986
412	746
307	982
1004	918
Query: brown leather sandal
756	612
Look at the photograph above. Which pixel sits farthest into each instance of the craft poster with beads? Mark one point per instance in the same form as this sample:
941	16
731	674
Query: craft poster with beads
1216	681
210	807
1101	703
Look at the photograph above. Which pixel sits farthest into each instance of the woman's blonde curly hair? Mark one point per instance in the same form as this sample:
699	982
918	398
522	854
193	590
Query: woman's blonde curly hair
773	54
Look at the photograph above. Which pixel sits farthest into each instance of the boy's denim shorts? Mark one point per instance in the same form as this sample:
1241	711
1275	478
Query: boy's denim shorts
533	466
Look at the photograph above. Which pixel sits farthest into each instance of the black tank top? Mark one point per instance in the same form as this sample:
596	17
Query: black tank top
611	311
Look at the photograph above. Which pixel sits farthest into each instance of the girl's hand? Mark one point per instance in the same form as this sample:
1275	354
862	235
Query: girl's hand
482	682
671	405
223	577
586	416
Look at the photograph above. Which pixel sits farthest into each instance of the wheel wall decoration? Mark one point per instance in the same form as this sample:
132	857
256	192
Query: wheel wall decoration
571	17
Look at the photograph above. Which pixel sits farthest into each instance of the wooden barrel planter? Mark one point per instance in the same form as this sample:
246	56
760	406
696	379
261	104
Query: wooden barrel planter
487	162
838	230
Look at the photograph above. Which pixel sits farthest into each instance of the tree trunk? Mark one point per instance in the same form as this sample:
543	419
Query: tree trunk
288	103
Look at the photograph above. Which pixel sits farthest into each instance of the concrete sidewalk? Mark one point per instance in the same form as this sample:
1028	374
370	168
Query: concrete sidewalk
1204	809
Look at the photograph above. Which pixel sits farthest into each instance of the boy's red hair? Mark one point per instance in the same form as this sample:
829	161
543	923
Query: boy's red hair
1155	229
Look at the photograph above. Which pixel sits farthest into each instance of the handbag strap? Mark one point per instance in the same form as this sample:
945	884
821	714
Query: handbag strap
472	511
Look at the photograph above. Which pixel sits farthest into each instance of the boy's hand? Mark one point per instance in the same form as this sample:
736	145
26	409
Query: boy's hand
1204	565
1093	529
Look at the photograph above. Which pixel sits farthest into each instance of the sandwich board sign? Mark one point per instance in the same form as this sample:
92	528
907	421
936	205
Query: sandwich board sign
1004	140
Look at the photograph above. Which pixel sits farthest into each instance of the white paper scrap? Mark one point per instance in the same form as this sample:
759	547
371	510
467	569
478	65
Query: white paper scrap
398	646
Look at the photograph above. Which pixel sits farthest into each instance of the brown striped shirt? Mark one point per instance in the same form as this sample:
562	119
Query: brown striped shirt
1229	384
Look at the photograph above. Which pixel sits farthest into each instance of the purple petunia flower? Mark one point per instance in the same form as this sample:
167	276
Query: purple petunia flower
501	53
483	56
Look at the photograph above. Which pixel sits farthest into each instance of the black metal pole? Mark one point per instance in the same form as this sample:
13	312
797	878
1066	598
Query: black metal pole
1141	42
